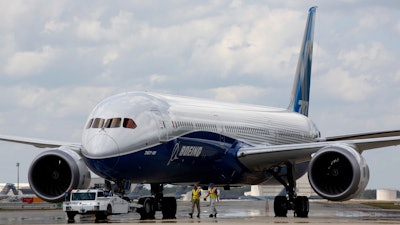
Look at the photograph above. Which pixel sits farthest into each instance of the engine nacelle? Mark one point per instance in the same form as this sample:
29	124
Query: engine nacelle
338	172
53	172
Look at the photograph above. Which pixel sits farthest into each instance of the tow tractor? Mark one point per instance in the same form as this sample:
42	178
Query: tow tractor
97	202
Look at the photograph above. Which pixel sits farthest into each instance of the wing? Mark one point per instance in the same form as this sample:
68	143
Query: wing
260	158
391	133
39	143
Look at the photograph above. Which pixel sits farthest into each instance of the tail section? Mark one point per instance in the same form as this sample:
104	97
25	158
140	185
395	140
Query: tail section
301	85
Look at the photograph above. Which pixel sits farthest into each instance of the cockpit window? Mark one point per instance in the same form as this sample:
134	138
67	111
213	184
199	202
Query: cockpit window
89	124
98	123
129	123
113	123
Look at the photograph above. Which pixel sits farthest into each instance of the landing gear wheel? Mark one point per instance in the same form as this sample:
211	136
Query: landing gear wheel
148	211
71	217
280	206
168	207
301	206
291	201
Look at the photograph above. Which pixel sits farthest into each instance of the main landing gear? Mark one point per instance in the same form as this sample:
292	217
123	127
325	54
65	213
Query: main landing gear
299	204
157	202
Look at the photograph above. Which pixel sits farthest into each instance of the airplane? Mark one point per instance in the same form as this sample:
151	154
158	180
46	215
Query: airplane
18	194
159	139
6	189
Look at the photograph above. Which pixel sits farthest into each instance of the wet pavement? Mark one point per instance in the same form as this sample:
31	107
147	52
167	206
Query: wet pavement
229	212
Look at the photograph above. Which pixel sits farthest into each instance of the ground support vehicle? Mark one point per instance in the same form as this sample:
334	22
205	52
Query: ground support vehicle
97	202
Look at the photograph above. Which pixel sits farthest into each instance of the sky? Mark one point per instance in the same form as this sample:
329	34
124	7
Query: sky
58	59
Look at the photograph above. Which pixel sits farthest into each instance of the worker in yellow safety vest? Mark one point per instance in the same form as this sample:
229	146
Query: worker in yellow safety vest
196	193
214	198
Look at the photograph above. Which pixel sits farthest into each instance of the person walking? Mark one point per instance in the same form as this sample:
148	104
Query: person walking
67	194
196	193
214	198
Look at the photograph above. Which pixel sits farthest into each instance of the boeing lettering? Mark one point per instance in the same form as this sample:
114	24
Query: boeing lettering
193	151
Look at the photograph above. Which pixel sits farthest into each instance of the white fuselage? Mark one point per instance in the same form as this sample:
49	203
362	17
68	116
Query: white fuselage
160	120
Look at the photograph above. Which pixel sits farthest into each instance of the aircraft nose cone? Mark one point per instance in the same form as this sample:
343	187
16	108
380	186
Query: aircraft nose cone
101	145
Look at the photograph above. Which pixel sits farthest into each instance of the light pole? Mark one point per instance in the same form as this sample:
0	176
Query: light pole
18	177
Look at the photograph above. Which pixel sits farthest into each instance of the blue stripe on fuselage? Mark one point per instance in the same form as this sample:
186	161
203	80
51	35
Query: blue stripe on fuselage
185	159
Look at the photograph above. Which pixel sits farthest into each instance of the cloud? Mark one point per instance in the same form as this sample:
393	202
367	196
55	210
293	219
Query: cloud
375	18
30	63
75	101
243	47
91	28
340	85
396	27
60	58
57	102
365	57
109	57
55	26
157	78
236	93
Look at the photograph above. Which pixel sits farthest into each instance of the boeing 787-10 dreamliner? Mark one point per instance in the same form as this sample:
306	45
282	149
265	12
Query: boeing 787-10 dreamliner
157	139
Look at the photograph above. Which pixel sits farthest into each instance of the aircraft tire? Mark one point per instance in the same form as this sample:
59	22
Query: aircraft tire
302	206
280	206
148	211
169	208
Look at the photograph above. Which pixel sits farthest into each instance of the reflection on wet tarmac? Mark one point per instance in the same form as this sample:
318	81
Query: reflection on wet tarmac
32	217
229	211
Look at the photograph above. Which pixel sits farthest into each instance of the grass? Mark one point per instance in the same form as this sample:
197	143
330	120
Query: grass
383	204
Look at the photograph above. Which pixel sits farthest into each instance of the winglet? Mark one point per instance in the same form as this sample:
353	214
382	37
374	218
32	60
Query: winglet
301	85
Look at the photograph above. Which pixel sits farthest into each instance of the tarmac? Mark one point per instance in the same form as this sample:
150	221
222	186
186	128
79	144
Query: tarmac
229	212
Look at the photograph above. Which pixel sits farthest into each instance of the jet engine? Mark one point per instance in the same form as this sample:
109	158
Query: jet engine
338	172
53	172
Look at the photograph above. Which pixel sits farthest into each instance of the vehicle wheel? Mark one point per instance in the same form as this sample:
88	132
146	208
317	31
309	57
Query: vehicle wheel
148	211
280	206
71	217
109	210
302	206
101	216
168	207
